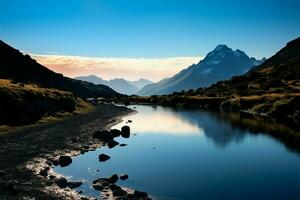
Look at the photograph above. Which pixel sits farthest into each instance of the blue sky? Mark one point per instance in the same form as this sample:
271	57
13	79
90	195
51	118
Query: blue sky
148	28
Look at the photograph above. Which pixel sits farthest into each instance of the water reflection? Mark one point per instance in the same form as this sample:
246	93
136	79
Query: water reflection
191	154
156	120
221	128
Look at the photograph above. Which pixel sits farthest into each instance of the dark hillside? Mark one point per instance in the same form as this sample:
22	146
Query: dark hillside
22	68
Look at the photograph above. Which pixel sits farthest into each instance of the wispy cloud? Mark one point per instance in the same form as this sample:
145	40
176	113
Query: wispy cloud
129	68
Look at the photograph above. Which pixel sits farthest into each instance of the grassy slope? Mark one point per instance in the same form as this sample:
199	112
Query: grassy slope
23	104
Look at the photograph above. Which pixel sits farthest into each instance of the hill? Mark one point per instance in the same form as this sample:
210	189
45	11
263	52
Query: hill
23	104
118	84
21	68
220	64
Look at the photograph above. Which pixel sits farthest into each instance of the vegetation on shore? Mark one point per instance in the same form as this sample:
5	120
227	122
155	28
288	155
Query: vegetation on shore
271	90
23	104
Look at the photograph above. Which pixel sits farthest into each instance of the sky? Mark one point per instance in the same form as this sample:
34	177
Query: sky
130	35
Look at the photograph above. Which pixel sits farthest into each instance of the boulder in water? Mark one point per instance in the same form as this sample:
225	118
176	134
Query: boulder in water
64	161
125	131
103	157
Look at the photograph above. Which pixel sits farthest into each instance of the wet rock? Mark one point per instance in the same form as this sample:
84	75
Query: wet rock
115	132
115	187
74	184
125	131
64	161
114	178
55	162
103	135
102	181
44	172
112	144
52	177
123	145
124	177
98	187
103	157
62	182
82	151
119	192
48	162
140	195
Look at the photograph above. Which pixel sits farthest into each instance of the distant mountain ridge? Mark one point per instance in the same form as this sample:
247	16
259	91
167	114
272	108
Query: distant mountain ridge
21	68
220	64
141	83
118	84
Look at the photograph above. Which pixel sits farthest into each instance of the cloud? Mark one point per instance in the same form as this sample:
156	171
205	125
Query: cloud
129	68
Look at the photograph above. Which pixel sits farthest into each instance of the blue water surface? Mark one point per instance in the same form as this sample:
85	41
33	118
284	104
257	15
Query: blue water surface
192	155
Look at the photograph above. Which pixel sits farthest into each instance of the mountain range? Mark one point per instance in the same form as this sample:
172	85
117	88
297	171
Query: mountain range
118	84
270	90
220	64
20	67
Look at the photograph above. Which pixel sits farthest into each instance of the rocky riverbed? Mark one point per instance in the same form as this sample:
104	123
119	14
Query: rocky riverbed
27	156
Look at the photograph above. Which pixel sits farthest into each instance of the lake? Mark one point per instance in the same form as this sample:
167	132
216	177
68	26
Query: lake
192	155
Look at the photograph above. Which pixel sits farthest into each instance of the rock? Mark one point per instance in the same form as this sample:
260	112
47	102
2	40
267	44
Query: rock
140	195
103	135
124	177
62	182
83	151
55	162
112	144
123	145
125	131
52	177
74	184
48	162
119	192
64	161
115	132
115	187
44	172
103	157
114	178
98	187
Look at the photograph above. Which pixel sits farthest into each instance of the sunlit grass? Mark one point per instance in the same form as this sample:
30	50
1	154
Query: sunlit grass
55	103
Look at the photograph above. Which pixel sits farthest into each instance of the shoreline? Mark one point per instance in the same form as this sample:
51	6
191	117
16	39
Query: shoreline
20	173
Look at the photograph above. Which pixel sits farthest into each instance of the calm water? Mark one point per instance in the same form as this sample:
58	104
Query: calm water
185	154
